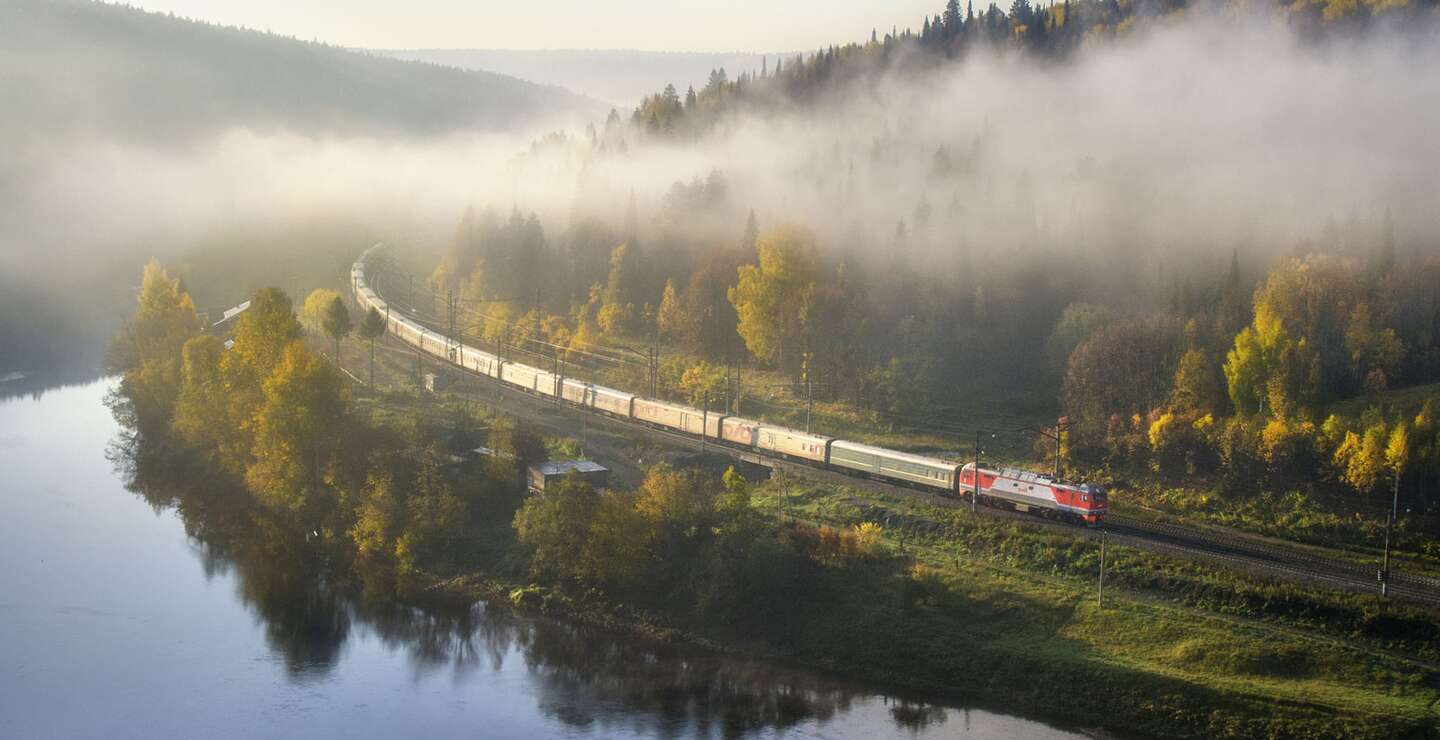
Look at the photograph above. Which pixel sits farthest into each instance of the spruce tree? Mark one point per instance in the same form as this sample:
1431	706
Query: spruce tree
752	233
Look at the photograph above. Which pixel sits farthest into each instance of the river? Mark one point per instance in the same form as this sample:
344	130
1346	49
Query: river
120	618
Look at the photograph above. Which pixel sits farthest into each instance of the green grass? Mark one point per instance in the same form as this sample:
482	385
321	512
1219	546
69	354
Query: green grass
1321	517
1194	650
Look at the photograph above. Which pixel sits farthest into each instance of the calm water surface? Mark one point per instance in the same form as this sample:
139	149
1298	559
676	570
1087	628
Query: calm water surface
116	622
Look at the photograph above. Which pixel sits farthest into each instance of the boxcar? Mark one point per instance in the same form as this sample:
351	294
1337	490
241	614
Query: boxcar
739	431
612	401
575	392
784	441
545	382
517	374
482	362
668	415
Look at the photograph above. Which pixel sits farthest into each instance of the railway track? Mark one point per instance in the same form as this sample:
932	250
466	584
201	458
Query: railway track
1289	562
1292	563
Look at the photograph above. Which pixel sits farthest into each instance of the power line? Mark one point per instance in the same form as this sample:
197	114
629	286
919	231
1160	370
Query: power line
475	314
919	424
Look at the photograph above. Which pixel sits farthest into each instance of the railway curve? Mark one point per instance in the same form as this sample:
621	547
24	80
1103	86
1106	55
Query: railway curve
1268	557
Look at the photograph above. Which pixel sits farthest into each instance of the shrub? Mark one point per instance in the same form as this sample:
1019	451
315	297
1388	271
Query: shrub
867	538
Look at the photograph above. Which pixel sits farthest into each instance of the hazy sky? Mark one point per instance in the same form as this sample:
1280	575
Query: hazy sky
658	25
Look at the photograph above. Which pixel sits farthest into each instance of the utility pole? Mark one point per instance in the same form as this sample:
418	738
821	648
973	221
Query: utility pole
1389	523
704	417
1060	425
1100	593
497	371
805	375
450	344
739	386
654	369
727	387
975	496
584	421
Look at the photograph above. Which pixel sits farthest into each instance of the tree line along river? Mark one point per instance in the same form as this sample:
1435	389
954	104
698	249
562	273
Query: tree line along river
125	615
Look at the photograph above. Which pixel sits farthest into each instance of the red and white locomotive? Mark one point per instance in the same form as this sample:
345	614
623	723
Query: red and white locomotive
1023	490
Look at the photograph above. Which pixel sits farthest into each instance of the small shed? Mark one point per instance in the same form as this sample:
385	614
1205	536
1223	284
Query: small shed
550	473
435	382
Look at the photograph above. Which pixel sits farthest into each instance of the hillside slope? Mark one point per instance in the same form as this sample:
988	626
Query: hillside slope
618	76
68	65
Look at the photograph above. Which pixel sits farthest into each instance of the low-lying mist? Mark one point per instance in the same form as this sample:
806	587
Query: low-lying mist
1205	135
1192	139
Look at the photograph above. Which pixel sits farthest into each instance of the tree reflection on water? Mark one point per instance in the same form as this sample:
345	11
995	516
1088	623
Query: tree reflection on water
311	596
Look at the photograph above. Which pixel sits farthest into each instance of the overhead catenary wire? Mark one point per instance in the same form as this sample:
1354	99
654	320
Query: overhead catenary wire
473	313
914	423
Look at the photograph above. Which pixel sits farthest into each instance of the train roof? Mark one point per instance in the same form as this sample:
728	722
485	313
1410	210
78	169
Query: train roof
612	392
793	432
895	454
669	405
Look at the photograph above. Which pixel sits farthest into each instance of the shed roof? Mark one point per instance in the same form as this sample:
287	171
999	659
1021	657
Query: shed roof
565	467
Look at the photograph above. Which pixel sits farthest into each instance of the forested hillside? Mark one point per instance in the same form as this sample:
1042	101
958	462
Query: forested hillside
131	134
1217	278
1046	33
74	66
619	76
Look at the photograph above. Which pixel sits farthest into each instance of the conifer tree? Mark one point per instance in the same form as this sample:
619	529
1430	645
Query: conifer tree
372	327
337	323
752	232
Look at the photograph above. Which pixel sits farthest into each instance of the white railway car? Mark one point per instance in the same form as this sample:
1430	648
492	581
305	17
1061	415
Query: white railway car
882	463
483	363
576	392
669	415
597	397
546	383
519	374
737	430
611	401
792	443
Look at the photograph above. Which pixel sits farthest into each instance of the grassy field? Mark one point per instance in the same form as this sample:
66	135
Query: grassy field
1176	648
1005	615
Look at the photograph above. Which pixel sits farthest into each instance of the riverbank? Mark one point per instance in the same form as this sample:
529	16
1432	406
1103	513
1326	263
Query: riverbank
922	621
169	595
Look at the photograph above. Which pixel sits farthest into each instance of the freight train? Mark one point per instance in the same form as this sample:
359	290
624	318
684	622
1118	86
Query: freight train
1003	487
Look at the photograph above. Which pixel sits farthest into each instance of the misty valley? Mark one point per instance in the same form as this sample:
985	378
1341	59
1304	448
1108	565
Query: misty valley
1063	369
